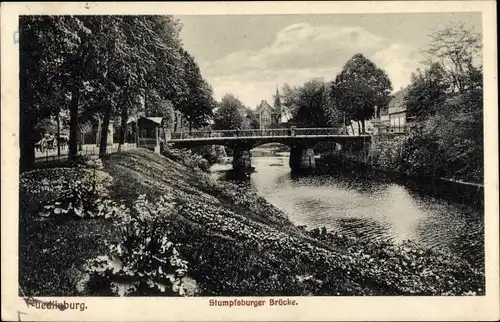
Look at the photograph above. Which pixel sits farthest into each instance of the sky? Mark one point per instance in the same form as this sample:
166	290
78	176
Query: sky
249	55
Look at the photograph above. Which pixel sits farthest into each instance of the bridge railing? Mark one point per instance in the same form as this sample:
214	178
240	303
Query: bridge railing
320	131
256	133
398	129
403	129
229	133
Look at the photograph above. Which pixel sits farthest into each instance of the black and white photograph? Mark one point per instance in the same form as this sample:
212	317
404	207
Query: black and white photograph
250	159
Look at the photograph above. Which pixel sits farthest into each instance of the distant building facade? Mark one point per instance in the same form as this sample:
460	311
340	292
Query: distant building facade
267	115
397	111
394	118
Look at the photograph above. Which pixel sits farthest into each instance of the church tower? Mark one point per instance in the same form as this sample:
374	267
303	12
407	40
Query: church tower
277	105
277	100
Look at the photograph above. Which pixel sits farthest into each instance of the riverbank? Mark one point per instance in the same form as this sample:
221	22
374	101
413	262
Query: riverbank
380	166
167	228
420	154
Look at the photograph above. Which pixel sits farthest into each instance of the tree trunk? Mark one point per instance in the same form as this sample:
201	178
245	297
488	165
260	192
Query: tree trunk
124	119
190	125
104	131
58	134
345	126
123	128
359	128
136	133
363	124
81	141
98	132
352	128
137	128
27	141
73	123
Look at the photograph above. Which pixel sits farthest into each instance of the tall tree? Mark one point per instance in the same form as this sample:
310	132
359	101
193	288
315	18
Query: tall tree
308	104
360	87
427	93
198	103
289	101
155	105
229	114
250	119
99	67
145	51
109	50
49	52
139	62
457	48
333	111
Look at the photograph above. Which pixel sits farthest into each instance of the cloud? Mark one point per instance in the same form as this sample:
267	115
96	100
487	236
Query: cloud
253	86
301	52
399	62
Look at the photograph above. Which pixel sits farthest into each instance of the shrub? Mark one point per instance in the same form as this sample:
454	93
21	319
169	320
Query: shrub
69	192
448	143
404	269
212	154
144	262
87	161
187	158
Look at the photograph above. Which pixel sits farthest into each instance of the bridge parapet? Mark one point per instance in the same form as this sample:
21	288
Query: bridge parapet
252	133
318	131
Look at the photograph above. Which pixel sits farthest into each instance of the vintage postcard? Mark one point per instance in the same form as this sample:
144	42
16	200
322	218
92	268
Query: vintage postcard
257	161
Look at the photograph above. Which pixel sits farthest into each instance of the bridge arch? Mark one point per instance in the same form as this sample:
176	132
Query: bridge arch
267	148
301	142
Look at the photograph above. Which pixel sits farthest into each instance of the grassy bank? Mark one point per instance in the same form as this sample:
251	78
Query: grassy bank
164	227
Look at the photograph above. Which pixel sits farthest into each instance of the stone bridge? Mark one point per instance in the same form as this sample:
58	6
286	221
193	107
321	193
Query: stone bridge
300	140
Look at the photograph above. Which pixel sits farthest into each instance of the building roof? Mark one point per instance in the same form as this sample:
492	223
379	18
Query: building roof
397	103
154	119
264	104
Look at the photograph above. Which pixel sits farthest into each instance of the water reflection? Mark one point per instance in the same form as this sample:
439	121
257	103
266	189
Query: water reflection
369	208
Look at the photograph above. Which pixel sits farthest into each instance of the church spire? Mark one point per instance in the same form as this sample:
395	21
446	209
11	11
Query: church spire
277	100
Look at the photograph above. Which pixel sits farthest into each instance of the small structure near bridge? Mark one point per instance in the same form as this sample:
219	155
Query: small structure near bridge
151	133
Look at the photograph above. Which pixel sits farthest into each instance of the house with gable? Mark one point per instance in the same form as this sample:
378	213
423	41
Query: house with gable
394	118
267	115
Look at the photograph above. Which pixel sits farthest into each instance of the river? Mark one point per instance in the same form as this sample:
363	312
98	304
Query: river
367	207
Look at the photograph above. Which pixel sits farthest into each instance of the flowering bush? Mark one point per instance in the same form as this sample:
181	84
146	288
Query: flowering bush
85	197
187	158
213	154
406	268
145	262
87	161
239	195
387	155
93	161
79	192
47	182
